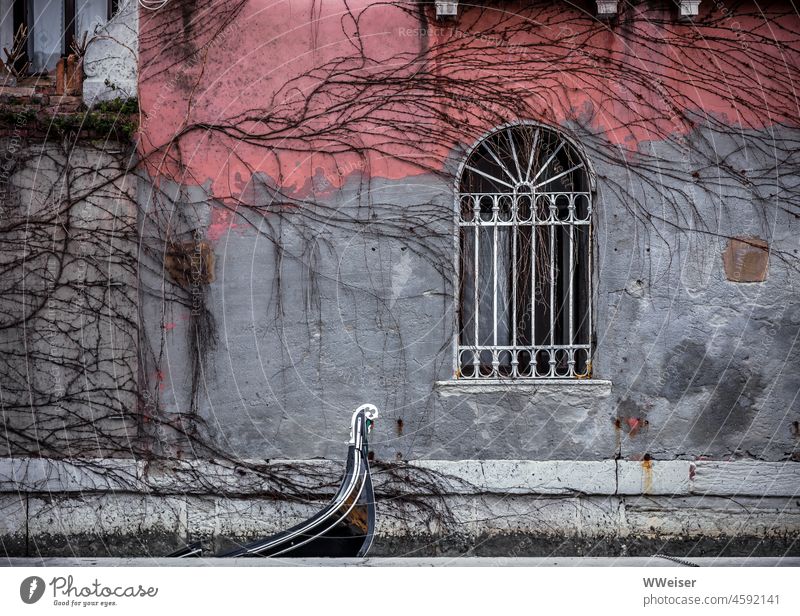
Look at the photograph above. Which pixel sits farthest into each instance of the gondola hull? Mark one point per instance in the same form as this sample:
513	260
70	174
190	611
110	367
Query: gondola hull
344	528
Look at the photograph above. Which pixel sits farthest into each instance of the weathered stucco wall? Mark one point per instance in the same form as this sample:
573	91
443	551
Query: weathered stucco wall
688	363
69	299
332	285
111	61
334	268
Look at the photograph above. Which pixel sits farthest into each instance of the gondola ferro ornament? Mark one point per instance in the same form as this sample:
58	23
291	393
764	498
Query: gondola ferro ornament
344	528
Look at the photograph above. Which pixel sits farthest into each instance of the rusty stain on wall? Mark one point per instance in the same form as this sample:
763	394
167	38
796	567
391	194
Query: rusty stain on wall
746	259
647	474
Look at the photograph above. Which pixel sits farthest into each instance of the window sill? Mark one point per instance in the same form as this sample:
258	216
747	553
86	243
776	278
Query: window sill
524	386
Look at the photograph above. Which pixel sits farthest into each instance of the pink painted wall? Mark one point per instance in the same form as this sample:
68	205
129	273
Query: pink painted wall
627	82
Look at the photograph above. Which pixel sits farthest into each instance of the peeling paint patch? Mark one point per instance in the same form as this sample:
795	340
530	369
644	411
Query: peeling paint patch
635	424
191	263
746	259
631	418
221	223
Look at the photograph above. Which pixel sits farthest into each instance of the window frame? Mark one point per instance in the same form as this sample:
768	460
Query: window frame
23	13
591	177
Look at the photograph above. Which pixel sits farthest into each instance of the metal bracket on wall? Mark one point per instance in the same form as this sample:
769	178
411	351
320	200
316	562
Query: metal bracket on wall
607	9
689	9
446	9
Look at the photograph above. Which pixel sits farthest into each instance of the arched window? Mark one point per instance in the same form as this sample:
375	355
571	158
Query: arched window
524	218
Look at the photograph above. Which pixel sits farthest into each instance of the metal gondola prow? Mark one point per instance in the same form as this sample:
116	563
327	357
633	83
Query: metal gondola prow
359	435
367	413
343	528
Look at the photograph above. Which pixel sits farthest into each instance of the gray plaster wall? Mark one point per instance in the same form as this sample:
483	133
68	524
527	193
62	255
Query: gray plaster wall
322	307
112	57
68	335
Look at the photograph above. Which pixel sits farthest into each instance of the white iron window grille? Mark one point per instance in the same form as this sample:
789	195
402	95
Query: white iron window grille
524	218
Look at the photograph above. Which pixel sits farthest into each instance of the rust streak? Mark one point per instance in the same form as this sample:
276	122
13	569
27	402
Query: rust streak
647	471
